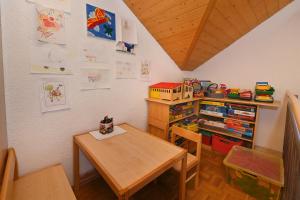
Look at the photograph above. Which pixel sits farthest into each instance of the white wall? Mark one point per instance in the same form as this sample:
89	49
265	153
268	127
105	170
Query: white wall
270	52
45	139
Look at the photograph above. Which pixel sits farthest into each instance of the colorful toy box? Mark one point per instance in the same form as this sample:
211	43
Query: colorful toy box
258	174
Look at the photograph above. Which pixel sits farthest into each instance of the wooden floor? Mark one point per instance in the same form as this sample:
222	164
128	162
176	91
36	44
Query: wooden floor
212	185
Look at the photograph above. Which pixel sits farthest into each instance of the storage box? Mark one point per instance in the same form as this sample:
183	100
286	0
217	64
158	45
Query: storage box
206	137
223	145
255	173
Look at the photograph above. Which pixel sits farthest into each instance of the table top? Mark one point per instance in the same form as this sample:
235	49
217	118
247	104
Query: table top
256	163
130	158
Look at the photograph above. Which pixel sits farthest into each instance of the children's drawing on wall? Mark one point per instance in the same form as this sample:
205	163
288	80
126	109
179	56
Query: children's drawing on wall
53	95
125	70
63	5
49	59
100	23
145	72
125	47
127	36
91	53
50	25
95	78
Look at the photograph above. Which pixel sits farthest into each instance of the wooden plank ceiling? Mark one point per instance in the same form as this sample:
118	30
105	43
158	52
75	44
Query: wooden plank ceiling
193	31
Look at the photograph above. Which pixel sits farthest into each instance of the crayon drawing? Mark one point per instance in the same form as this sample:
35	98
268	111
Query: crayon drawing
100	23
53	95
95	78
50	25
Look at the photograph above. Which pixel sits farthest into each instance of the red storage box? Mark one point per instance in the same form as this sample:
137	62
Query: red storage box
224	145
206	140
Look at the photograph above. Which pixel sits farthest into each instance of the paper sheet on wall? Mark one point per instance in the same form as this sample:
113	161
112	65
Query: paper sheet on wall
145	71
127	31
49	59
126	70
53	95
95	78
90	53
50	26
63	5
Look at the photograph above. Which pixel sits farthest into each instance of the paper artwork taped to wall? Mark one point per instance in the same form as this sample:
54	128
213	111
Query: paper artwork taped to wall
53	95
50	25
95	78
145	73
126	36
49	59
64	5
100	23
125	70
94	54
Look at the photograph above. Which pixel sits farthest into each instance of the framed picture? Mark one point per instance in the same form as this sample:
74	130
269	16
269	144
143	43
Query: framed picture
53	95
100	23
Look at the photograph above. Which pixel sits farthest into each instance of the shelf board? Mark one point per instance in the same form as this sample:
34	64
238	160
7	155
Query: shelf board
226	134
227	118
172	102
275	104
181	118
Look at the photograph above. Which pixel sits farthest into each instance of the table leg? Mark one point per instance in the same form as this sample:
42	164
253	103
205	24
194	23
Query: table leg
76	167
182	178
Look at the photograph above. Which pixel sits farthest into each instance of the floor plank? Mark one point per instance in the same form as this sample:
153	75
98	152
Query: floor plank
212	185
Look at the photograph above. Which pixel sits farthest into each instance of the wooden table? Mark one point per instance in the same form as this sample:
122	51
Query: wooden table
129	161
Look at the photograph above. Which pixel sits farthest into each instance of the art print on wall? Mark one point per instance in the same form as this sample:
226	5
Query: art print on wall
64	5
53	95
100	23
95	78
50	25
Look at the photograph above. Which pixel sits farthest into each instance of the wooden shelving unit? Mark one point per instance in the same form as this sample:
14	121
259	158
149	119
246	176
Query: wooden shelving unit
159	120
159	115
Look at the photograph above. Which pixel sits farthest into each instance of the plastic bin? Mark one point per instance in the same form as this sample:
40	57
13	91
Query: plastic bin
255	173
206	137
224	145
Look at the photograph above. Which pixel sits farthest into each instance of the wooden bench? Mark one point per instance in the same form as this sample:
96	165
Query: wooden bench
47	184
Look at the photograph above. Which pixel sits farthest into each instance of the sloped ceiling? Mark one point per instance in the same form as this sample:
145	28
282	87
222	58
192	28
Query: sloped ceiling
193	31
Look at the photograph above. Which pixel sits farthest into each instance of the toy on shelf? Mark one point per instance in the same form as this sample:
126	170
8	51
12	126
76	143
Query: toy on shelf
246	94
264	92
106	125
196	84
233	93
216	91
188	91
166	91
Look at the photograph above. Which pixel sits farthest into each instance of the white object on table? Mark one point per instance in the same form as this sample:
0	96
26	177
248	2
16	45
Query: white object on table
99	136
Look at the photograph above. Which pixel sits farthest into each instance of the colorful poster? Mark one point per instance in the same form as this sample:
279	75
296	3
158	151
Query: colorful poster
49	59
100	23
50	25
95	78
53	95
64	5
